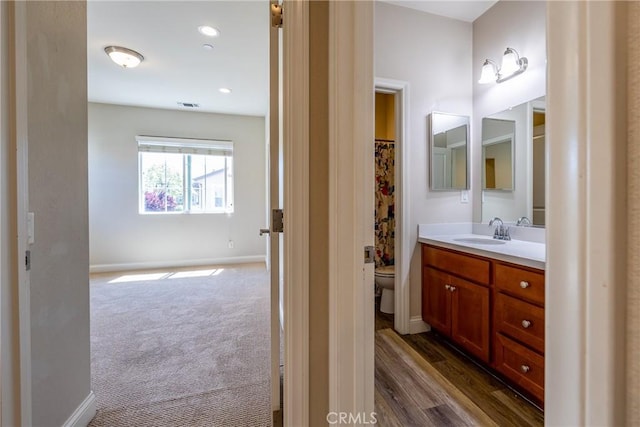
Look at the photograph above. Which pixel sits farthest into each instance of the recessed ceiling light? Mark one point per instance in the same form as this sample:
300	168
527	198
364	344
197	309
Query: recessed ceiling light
225	90
207	46
209	31
124	57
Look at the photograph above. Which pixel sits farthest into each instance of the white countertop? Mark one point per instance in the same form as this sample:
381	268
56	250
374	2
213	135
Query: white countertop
521	252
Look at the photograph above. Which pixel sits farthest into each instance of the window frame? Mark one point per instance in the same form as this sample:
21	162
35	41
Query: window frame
186	147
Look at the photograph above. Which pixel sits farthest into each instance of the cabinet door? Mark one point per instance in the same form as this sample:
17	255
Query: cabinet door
470	317
436	300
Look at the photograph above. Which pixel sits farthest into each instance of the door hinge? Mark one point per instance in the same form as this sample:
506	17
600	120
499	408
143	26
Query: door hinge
277	221
276	15
369	254
27	260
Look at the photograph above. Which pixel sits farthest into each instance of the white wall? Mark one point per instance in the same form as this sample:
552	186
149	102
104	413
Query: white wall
519	25
56	125
122	238
434	55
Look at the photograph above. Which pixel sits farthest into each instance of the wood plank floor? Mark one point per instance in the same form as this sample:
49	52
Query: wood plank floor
405	395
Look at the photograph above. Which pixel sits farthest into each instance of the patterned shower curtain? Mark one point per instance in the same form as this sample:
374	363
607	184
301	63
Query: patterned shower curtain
385	202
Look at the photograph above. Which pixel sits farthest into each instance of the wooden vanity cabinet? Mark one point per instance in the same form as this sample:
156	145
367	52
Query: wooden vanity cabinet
491	309
519	327
456	307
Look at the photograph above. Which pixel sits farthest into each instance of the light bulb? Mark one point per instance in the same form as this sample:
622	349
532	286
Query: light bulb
510	63
488	74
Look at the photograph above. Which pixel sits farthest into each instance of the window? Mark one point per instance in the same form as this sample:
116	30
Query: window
185	175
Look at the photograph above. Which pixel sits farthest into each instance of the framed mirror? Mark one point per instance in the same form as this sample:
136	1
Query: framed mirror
449	151
523	128
498	148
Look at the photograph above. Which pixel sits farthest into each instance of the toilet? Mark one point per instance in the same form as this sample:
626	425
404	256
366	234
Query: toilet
384	278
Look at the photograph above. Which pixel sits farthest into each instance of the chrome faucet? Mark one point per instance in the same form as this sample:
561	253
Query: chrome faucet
523	221
496	219
502	231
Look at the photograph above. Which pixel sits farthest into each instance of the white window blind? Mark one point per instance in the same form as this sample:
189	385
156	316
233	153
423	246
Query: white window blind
208	147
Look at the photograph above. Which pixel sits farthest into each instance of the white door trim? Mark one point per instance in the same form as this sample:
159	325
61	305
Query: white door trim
586	215
295	35
402	286
24	292
273	195
351	158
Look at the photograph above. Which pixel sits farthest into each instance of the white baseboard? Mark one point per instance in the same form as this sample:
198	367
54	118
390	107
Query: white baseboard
83	413
417	325
104	268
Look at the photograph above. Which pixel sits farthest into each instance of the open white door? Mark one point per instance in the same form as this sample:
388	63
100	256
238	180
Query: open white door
275	202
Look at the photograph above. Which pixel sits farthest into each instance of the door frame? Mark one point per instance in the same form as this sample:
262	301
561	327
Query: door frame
16	103
586	238
403	323
295	42
351	207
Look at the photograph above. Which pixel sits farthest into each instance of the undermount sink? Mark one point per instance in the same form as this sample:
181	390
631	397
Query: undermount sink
480	241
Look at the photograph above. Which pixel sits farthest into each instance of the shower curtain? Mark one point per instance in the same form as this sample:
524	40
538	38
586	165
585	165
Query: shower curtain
385	222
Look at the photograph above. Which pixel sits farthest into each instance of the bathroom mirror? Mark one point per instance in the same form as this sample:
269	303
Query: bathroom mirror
449	151
498	148
516	135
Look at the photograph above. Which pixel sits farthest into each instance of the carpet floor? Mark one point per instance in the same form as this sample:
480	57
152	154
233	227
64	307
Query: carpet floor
185	347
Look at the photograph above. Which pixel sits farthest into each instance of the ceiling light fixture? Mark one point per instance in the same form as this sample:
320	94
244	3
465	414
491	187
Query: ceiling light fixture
124	57
207	46
225	90
209	31
512	65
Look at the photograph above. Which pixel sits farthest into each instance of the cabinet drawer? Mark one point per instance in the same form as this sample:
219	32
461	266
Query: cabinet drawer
520	320
521	283
522	366
471	268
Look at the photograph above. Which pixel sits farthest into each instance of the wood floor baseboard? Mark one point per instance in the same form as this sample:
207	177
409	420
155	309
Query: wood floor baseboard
417	325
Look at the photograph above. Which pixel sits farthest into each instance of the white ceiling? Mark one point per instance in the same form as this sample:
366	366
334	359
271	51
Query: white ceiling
461	10
176	67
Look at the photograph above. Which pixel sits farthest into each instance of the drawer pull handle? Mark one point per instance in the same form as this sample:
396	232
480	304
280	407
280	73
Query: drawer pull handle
524	285
525	369
452	288
526	324
447	287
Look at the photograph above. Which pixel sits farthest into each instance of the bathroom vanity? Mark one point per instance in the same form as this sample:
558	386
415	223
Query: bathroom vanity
488	298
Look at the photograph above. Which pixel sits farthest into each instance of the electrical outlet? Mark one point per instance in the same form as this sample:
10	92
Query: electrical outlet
464	196
230	244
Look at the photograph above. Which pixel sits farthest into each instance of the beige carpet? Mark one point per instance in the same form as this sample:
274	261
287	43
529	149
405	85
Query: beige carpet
186	348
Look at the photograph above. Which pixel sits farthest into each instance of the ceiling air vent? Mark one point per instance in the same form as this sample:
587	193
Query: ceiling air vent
188	104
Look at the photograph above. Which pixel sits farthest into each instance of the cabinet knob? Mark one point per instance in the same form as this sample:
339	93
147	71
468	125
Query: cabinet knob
447	287
526	324
524	285
452	288
524	369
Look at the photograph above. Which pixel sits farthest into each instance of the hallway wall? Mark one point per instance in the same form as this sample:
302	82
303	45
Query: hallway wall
56	129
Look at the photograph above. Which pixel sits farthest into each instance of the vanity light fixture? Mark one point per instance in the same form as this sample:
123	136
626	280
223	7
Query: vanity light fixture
124	57
512	65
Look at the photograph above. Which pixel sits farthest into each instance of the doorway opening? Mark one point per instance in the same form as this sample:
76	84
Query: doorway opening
177	192
393	108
